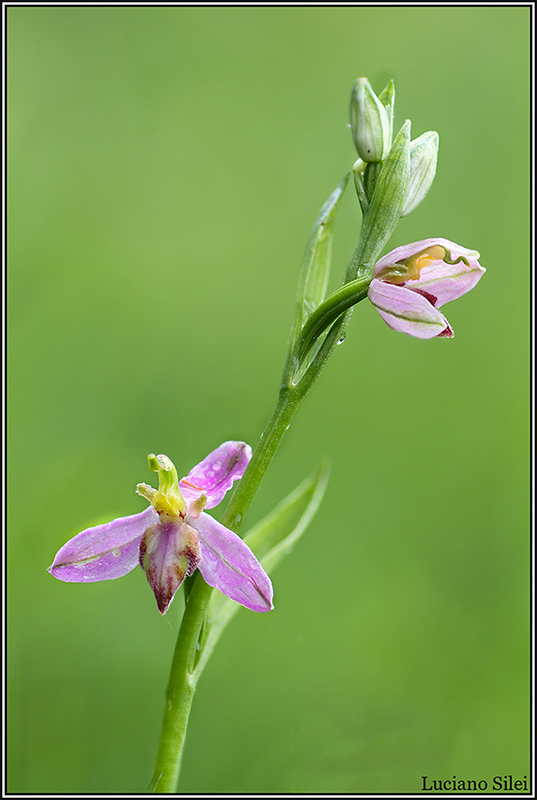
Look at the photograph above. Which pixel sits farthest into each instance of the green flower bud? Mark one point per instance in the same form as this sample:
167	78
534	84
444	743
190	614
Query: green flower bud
370	122
387	98
423	156
358	170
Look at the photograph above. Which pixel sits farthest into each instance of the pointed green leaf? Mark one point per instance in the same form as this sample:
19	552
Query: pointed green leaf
272	539
313	278
318	256
384	208
275	536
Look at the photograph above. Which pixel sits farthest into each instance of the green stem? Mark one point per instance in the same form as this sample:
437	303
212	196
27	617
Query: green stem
189	657
263	454
190	654
180	692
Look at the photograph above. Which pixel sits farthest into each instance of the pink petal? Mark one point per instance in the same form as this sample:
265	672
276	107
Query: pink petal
447	281
104	552
214	475
407	311
228	564
407	250
168	553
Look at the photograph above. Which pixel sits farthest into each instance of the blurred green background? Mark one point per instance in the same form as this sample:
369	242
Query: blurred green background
165	168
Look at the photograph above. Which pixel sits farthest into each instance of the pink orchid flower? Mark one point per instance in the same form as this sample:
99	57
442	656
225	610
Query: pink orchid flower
412	282
174	536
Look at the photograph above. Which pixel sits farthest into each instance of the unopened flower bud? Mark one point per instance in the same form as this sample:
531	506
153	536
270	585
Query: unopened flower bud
423	157
358	170
387	98
370	123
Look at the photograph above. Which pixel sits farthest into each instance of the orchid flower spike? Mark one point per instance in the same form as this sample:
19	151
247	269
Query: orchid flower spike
412	282
174	536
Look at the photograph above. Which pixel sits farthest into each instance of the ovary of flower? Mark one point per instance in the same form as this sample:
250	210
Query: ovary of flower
174	536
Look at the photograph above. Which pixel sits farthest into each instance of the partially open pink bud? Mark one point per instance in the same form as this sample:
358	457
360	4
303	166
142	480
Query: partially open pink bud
412	282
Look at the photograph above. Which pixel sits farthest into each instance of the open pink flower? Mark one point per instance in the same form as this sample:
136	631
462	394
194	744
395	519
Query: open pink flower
412	282
174	536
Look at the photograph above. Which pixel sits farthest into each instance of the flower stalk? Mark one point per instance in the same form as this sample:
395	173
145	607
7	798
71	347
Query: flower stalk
181	687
